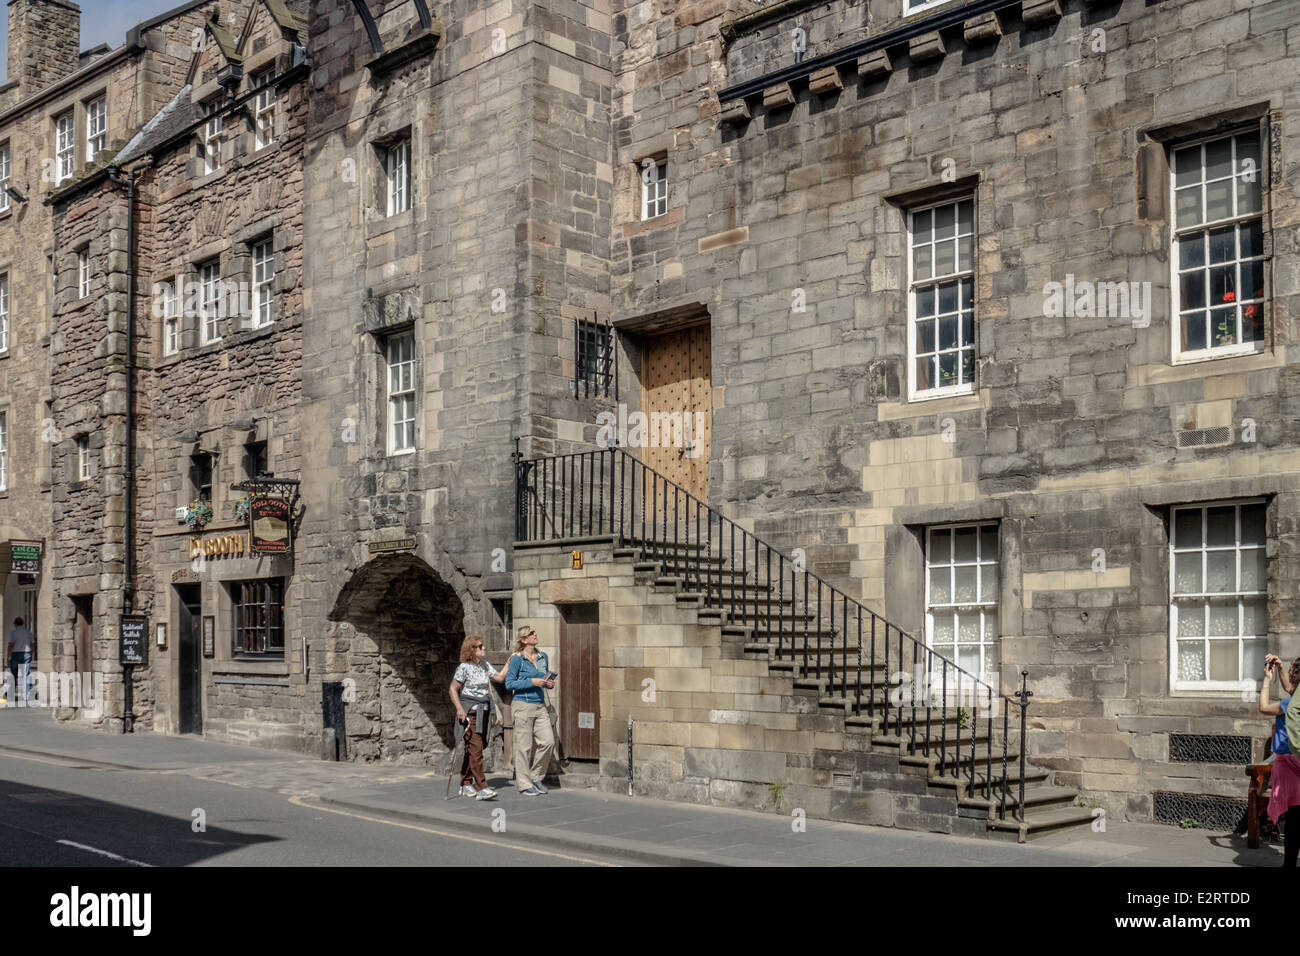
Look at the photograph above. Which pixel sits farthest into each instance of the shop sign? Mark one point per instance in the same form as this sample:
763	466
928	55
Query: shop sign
25	557
133	639
268	522
219	545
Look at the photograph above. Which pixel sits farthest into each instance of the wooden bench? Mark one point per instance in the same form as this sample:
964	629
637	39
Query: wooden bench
1257	797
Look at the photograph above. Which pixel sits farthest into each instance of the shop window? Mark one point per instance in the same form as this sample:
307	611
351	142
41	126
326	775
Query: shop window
258	627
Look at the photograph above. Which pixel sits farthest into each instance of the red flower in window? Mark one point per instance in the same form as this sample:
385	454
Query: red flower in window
1251	311
1229	297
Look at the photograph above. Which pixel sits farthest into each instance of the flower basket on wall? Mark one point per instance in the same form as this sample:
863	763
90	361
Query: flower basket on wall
198	514
243	506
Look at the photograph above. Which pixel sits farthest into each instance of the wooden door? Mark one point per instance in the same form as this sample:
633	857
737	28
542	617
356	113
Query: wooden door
190	638
678	381
579	680
83	607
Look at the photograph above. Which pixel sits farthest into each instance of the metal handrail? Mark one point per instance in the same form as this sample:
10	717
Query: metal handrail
589	504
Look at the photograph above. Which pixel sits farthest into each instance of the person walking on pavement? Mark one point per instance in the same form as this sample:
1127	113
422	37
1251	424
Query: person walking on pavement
473	700
20	657
1285	783
528	676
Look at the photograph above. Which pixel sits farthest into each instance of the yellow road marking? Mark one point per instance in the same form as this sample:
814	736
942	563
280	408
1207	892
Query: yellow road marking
61	762
296	801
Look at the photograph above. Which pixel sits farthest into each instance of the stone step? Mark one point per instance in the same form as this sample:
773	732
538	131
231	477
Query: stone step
1043	822
1033	775
1037	799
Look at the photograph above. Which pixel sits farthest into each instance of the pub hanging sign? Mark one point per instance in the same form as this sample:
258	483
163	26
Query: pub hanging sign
25	557
268	525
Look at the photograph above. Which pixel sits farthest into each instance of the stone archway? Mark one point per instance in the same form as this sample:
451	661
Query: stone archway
406	627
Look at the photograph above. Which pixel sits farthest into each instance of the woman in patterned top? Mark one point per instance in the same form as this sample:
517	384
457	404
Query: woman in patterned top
470	694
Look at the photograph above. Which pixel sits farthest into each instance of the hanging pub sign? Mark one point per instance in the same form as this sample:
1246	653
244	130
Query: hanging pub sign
268	525
25	557
133	639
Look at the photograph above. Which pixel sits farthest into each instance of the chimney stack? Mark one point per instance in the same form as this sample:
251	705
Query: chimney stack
44	43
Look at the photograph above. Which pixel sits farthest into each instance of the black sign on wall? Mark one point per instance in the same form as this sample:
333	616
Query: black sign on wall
133	639
268	525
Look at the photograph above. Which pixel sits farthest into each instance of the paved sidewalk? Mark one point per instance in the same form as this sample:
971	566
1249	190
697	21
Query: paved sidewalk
633	828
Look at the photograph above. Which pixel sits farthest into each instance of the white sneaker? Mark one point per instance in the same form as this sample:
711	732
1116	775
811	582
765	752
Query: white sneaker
467	791
487	793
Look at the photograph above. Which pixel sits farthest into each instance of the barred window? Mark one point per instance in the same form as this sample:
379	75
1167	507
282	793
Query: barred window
401	393
1218	612
961	604
595	363
258	617
1218	250
65	146
96	128
941	301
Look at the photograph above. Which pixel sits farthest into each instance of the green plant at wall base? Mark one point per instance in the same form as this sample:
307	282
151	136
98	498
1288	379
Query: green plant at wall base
963	718
1187	823
777	788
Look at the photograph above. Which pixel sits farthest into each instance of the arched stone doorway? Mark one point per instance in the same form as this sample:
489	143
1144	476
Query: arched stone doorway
401	627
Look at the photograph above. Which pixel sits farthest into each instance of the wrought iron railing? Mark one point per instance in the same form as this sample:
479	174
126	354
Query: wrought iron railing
610	493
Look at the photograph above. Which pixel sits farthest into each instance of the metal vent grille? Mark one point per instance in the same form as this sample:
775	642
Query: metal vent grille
1209	748
1213	813
1197	437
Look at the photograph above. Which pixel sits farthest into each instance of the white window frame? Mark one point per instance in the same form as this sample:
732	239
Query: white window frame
264	117
5	175
171	294
964	277
654	194
65	146
1204	599
212	139
83	273
263	256
4	313
210	302
397	176
83	457
4	452
401	390
990	634
1238	220
96	127
920	6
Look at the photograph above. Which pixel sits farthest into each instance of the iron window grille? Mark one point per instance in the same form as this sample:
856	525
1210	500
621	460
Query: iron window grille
96	128
258	627
941	299
65	146
1218	247
1201	809
1209	748
961	602
595	361
1218	583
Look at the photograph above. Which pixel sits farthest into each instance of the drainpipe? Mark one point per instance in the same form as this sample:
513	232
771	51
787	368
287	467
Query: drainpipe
128	568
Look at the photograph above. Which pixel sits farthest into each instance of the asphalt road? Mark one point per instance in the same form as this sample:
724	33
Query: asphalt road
57	813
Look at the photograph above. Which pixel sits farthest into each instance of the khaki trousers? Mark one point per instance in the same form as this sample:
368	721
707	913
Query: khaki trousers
534	743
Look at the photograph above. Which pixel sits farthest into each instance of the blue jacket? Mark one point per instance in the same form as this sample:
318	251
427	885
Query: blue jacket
519	678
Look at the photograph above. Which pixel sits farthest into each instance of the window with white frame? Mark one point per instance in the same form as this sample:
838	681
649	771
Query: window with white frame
212	139
397	176
941	299
400	355
170	293
264	115
83	457
961	596
96	128
1218	254
210	302
1218	604
4	177
654	188
4	453
916	6
83	273
4	313
263	277
65	146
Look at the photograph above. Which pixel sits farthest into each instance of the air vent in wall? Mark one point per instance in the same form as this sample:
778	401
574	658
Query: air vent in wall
1209	748
1213	813
1200	437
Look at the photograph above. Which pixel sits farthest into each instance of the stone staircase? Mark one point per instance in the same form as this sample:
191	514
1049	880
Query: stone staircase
852	687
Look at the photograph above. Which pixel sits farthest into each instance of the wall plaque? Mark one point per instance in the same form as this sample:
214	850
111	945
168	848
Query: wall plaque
209	636
396	544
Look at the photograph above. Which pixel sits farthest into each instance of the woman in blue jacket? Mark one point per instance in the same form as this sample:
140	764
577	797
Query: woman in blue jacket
526	677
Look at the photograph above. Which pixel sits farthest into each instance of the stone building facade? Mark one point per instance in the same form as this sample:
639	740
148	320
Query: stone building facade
984	309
